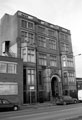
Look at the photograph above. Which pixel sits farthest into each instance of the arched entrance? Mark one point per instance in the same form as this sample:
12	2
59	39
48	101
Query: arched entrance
55	86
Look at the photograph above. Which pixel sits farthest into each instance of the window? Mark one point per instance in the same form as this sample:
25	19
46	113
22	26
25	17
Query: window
24	23
8	88
31	55
31	38
30	76
3	67
30	25
67	62
71	77
65	75
42	41
12	68
53	61
24	54
51	33
64	36
64	61
8	67
42	59
27	24
70	62
41	29
28	36
65	47
28	54
52	44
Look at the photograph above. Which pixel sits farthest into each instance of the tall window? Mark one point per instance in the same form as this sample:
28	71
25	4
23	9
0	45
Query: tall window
24	54
30	25
31	55
71	78
43	59
53	61
70	62
24	23
28	36
31	37
52	44
42	41
65	75
64	61
27	24
30	76
3	67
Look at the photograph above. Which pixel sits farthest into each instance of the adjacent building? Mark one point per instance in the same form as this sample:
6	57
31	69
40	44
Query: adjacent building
11	79
46	51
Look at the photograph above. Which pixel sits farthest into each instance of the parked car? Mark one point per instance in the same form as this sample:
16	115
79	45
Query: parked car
66	100
6	104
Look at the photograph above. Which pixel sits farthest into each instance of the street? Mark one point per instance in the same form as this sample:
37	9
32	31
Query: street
59	112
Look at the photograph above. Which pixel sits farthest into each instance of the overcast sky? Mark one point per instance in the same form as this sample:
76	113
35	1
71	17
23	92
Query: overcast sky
65	13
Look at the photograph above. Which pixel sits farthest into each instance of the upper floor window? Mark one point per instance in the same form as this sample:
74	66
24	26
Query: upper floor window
52	44
42	59
51	33
12	68
53	61
28	36
28	54
3	67
67	62
27	24
71	77
70	62
42	41
31	55
64	47
64	36
8	67
64	61
24	23
41	29
31	76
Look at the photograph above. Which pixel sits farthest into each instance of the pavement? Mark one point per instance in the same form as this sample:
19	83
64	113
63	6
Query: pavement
36	105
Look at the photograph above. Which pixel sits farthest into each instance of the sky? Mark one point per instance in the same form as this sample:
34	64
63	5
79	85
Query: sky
64	13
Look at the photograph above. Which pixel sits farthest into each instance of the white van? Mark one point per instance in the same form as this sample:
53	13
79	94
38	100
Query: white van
80	95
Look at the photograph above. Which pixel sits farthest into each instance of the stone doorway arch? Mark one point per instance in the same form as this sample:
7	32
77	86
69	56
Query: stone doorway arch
55	83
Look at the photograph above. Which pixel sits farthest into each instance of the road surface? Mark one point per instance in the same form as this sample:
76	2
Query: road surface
48	113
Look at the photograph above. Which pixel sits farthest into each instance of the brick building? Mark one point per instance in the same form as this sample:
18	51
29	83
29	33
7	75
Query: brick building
11	79
46	50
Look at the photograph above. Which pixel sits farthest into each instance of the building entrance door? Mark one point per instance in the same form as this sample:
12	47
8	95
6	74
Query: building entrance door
54	87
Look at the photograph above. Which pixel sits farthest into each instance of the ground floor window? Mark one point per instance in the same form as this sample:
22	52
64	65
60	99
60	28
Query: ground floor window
8	88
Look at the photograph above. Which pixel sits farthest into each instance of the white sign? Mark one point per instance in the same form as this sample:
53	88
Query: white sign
31	87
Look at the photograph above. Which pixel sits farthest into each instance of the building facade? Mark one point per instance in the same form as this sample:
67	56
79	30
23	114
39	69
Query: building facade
46	50
11	79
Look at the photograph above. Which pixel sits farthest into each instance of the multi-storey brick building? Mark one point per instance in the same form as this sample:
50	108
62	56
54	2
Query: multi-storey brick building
46	50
